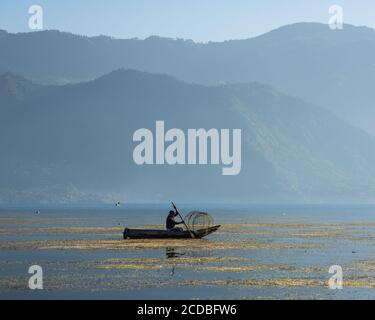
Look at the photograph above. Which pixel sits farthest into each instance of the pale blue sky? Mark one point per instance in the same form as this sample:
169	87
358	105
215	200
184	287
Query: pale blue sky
200	20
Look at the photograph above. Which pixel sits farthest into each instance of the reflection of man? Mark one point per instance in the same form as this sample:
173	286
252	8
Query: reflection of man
171	223
172	253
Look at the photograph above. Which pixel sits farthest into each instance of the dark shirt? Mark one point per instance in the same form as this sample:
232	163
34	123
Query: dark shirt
170	222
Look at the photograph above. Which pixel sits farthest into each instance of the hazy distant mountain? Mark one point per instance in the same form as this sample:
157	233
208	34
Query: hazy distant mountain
78	138
334	69
14	89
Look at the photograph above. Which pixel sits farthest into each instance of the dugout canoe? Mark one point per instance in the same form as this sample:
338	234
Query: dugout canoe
167	234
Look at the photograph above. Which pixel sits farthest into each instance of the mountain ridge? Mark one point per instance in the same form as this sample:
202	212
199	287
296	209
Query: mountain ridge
81	135
330	68
315	26
15	88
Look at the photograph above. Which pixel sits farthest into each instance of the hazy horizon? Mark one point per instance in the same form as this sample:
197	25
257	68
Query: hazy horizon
201	22
183	39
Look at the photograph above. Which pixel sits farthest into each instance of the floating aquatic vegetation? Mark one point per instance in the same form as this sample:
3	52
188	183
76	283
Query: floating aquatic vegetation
61	230
201	264
246	255
361	266
119	244
129	282
276	282
159	263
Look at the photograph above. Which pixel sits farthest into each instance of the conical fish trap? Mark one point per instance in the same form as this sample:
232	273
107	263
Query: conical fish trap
197	220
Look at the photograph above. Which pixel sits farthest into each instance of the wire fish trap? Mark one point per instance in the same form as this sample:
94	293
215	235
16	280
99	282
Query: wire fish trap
198	220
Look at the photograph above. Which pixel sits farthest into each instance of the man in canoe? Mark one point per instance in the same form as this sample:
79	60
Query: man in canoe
170	223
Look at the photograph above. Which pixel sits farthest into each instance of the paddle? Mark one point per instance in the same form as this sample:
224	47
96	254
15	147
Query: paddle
191	233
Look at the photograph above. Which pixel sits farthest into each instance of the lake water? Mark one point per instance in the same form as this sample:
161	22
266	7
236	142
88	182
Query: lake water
259	252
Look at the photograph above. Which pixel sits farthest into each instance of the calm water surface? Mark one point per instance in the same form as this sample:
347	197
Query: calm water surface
261	251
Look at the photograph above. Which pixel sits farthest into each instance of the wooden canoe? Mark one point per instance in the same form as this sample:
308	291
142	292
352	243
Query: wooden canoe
166	234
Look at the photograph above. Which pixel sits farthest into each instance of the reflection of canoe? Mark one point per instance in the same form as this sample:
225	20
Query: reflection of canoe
163	234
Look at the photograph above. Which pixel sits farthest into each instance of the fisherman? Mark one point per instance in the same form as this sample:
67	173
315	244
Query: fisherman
171	223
